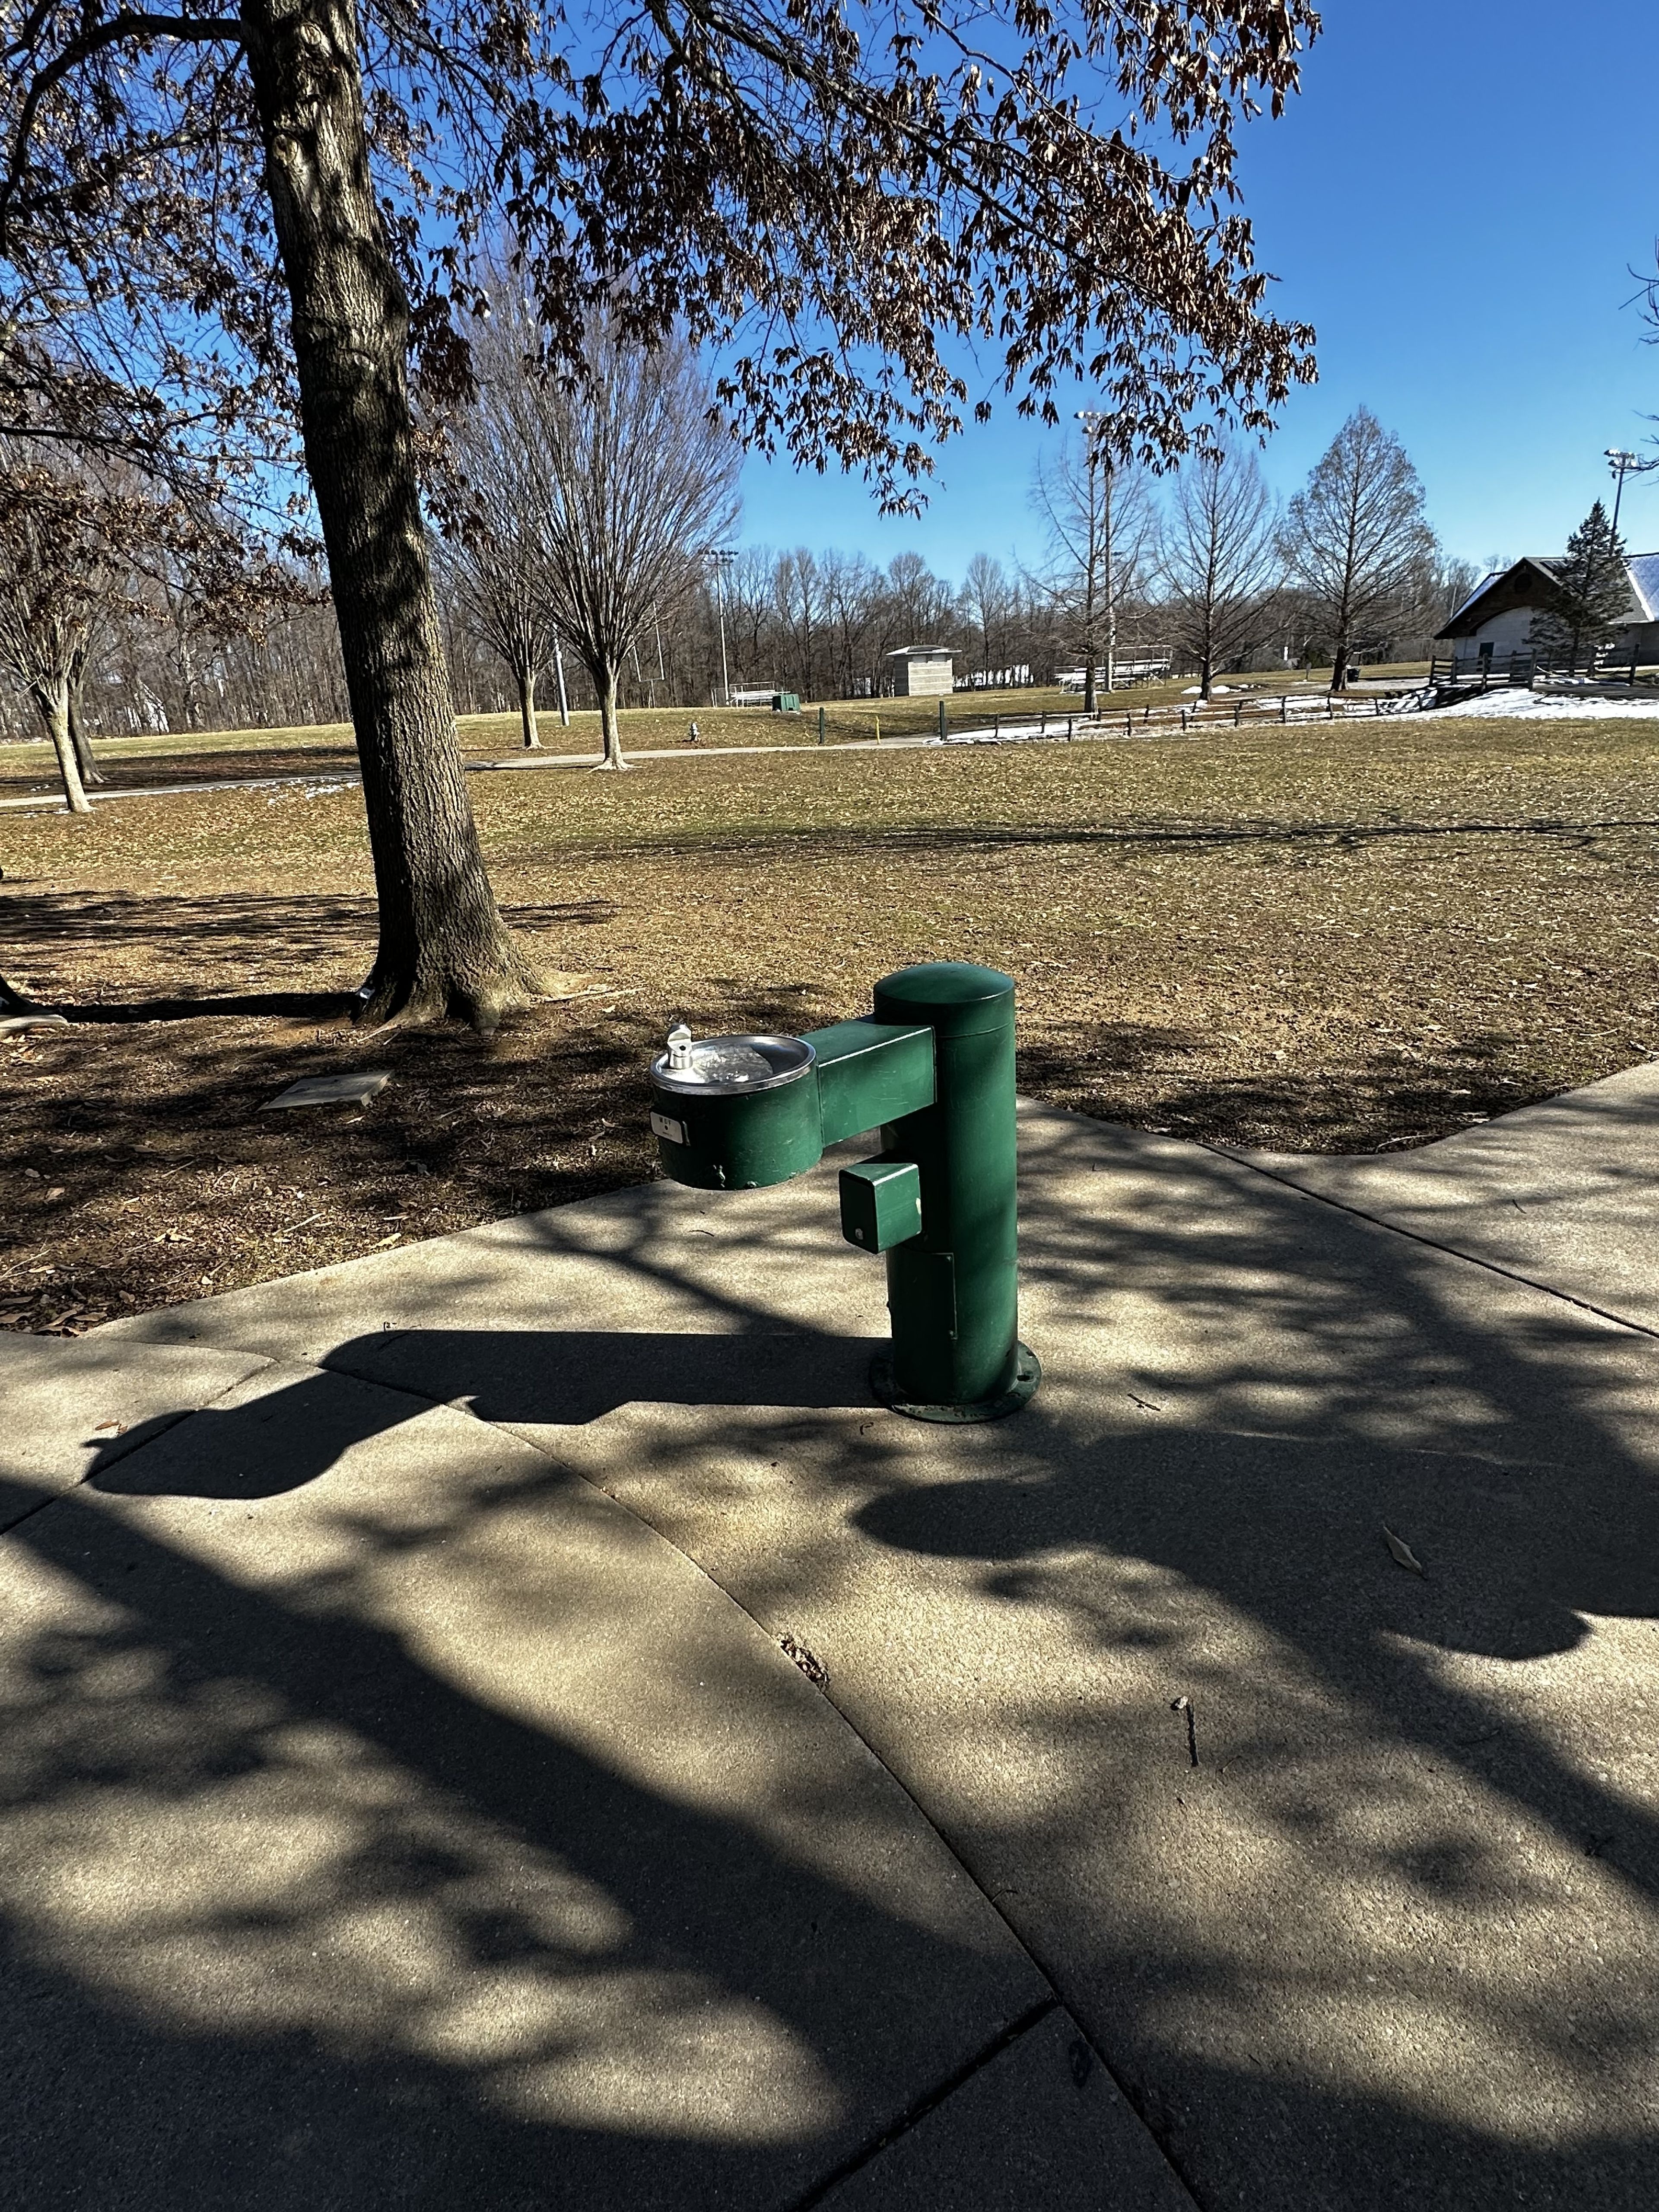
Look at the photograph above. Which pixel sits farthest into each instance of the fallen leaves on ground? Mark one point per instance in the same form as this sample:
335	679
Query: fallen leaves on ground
1402	1551
1342	939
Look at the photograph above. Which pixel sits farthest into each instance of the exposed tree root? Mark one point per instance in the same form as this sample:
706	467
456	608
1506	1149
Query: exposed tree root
443	985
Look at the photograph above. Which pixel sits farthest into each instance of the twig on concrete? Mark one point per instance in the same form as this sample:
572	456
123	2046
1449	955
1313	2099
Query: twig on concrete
1185	1705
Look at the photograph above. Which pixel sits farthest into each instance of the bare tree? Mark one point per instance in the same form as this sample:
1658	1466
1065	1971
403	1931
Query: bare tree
1446	583
1216	560
488	561
1099	522
626	479
831	208
1355	538
750	587
920	602
984	598
850	585
799	583
55	576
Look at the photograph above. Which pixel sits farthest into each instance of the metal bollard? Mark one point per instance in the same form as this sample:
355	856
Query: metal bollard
933	1067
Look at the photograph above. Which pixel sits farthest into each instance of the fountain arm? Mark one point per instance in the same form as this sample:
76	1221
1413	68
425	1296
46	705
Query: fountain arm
870	1073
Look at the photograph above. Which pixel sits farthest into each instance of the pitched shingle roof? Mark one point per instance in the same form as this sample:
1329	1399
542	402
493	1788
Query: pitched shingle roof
1642	568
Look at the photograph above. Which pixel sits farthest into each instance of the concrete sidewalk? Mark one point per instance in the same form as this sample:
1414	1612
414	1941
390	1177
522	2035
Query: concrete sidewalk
413	1803
1565	1194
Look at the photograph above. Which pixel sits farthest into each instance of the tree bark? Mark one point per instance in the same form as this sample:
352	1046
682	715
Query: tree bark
527	706
53	700
85	759
1340	666
443	947
604	683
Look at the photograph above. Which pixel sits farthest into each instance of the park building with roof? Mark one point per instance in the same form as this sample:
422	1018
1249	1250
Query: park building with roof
1495	621
921	671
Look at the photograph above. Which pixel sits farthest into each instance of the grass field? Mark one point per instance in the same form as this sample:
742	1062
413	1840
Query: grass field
190	755
1335	938
492	737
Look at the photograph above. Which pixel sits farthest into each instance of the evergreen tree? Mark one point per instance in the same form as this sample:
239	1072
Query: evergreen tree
1592	597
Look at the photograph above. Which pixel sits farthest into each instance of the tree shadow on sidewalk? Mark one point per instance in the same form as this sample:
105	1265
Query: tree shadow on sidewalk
296	1916
1401	1922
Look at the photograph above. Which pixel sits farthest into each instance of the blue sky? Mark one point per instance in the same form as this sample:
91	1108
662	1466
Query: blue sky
1455	202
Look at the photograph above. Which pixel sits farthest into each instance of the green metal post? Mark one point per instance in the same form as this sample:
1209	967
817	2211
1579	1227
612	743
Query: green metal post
820	726
943	731
953	1292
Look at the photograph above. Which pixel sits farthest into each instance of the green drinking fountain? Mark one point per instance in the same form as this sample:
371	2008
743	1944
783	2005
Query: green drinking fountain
933	1067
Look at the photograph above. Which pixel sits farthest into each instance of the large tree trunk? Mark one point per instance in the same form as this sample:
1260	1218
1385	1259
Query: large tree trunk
85	760
604	683
527	706
52	699
443	946
1339	665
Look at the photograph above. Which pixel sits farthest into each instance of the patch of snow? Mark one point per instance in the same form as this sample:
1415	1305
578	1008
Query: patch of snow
1546	707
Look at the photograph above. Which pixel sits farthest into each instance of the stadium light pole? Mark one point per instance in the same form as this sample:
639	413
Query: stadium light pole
722	557
1096	427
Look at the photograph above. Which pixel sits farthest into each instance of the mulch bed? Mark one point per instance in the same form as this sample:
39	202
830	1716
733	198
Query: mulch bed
1324	942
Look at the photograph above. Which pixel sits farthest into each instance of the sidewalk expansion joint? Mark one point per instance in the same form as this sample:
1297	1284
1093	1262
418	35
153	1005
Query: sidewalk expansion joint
1430	1243
1027	2020
929	2101
185	1414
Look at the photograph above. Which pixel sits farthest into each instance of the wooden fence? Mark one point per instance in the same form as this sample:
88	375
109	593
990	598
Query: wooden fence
1233	712
1490	674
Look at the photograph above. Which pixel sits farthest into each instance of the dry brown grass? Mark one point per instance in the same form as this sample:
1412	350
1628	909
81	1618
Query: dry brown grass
1330	939
200	757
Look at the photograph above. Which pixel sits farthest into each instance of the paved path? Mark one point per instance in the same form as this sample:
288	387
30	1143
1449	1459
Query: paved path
1565	1194
414	1803
1018	732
